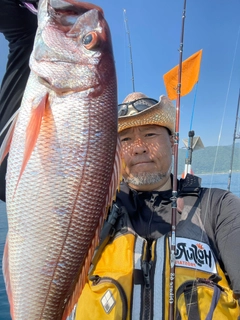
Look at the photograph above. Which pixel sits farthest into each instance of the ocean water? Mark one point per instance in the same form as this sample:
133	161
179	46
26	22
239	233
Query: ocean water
221	181
4	306
214	181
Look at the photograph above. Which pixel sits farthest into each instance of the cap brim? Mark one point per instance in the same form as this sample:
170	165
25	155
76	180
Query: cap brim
162	113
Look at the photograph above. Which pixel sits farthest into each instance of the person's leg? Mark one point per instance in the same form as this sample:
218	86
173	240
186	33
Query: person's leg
19	27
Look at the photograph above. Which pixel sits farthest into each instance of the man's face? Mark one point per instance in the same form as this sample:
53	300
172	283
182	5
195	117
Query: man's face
147	155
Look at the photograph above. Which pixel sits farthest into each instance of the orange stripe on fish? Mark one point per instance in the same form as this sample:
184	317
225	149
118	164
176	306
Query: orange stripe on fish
32	132
5	266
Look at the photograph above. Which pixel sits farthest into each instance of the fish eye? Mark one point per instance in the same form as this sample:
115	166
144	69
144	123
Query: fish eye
91	40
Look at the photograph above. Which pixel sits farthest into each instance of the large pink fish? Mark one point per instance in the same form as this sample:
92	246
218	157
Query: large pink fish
64	163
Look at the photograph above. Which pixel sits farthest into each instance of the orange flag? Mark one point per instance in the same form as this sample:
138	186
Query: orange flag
190	74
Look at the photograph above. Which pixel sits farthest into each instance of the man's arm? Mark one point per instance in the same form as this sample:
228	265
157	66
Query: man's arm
19	27
223	211
228	238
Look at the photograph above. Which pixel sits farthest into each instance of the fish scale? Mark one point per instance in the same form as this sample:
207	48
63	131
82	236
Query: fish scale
57	202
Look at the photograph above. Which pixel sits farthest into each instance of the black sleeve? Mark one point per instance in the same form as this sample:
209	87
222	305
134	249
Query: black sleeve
18	26
223	214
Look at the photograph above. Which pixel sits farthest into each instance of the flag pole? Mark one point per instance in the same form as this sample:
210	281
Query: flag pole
171	314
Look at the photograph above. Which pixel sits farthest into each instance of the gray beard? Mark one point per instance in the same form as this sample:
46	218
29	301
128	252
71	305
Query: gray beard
146	178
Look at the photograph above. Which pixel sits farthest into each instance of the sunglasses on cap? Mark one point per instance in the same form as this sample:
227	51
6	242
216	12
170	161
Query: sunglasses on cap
139	105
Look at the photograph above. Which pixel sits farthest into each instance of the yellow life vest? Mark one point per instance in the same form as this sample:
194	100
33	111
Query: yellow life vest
124	284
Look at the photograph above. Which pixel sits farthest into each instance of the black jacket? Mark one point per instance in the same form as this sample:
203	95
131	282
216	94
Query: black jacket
150	215
18	26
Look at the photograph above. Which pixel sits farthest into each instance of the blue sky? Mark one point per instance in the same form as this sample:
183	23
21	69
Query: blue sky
155	29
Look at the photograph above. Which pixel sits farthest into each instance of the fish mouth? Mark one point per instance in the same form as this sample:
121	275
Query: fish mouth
76	5
60	56
67	12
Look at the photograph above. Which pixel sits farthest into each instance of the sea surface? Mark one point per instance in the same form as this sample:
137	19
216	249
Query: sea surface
214	181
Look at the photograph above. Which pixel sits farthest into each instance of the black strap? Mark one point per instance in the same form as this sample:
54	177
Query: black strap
189	289
191	300
215	298
107	232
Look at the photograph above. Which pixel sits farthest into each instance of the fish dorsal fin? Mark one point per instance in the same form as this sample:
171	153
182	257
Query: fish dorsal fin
116	176
32	132
114	185
6	275
5	147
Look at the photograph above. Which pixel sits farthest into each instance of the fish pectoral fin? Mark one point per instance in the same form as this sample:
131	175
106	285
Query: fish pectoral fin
32	132
6	275
5	147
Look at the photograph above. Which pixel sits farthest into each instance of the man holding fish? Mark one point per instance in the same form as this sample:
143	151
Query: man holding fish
129	275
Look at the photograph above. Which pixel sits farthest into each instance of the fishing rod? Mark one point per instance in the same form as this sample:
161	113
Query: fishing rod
171	312
130	47
235	136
